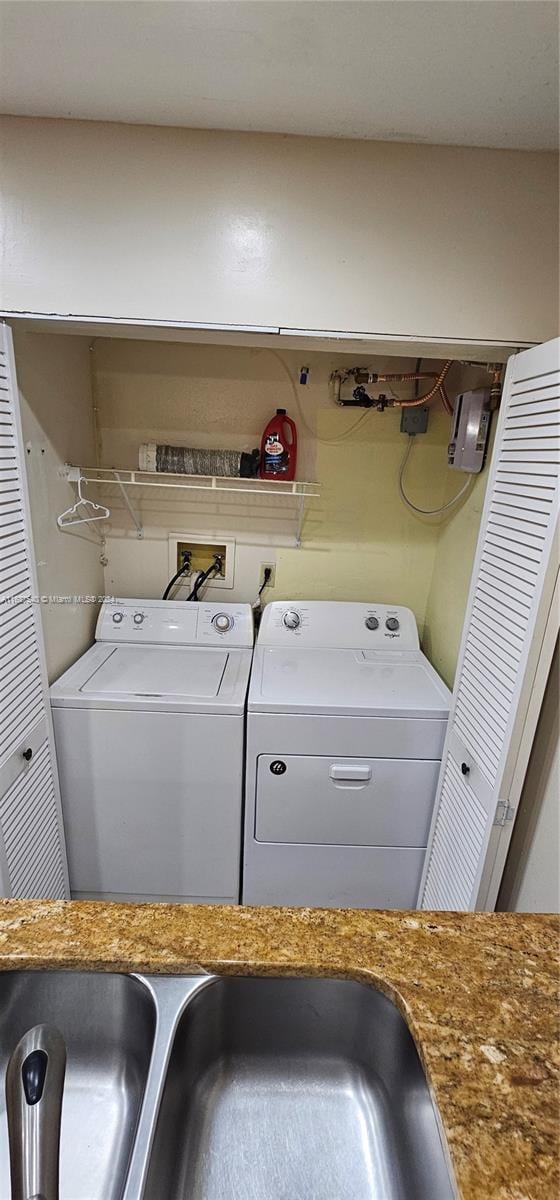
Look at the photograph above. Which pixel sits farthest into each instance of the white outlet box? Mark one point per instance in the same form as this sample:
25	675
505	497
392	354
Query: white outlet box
225	581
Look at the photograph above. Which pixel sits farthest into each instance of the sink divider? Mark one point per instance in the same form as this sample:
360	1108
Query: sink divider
171	995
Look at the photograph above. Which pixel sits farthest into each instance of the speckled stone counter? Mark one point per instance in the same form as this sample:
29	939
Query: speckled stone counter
479	992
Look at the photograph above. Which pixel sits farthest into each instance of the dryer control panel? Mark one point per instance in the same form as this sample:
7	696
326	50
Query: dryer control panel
175	622
338	623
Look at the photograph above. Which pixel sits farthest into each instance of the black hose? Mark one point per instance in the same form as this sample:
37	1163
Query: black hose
182	571
213	569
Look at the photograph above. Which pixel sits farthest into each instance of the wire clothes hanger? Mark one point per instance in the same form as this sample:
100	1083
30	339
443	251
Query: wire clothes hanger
69	516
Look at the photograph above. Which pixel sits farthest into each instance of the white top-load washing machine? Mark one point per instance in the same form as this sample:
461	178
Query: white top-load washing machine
345	728
149	729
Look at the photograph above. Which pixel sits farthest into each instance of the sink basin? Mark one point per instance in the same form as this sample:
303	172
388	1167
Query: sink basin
215	1088
294	1089
108	1023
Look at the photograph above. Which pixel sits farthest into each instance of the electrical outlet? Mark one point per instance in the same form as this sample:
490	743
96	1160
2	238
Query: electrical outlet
272	578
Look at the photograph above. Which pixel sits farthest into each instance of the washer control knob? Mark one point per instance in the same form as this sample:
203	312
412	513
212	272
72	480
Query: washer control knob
222	622
117	618
139	618
372	623
291	619
392	623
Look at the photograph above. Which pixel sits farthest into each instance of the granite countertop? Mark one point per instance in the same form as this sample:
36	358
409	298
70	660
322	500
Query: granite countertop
479	992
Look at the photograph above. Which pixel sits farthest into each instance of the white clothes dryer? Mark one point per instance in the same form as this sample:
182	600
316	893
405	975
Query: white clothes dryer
149	728
346	721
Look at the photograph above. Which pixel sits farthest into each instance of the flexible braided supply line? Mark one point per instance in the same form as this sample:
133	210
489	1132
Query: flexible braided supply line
445	400
407	377
437	387
412	377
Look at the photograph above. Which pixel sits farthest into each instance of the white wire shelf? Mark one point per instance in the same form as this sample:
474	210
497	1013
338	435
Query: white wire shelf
291	492
167	479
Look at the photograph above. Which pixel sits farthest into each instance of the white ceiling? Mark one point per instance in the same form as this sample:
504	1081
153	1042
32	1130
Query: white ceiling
460	72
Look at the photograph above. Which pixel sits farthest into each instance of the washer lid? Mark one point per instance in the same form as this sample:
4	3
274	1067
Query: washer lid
193	679
159	671
349	682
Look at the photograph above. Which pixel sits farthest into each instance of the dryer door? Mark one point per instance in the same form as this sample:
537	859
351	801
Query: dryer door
344	801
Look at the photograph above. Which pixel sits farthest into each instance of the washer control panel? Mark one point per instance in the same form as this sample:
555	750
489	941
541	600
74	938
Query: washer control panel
175	622
339	623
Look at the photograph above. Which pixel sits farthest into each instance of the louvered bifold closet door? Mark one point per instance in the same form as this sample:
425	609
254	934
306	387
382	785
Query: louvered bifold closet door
32	852
506	638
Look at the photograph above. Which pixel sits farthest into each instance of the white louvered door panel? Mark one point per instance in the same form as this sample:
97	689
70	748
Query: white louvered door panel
507	631
32	851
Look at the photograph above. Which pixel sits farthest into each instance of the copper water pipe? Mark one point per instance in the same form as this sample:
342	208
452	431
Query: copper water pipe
409	377
445	400
361	376
393	377
439	386
412	377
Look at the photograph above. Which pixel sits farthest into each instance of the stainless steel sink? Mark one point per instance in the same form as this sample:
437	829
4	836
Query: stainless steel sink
108	1024
295	1089
208	1088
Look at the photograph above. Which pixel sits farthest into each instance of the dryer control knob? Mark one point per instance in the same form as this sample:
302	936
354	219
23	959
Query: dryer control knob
372	623
139	618
392	623
222	622
117	618
291	619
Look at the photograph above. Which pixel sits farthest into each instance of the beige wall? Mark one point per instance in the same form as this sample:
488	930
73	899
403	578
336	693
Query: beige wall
55	395
531	881
359	539
186	225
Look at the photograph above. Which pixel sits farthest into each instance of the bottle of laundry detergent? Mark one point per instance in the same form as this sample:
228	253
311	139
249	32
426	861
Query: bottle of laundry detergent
279	448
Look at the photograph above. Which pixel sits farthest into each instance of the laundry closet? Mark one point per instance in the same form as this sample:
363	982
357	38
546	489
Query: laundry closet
176	287
372	518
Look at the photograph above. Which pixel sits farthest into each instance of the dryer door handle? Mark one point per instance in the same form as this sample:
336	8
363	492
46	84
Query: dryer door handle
350	772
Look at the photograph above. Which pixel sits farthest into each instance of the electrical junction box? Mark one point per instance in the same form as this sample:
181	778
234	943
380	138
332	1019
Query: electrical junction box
202	550
414	420
471	426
